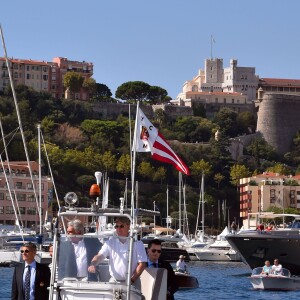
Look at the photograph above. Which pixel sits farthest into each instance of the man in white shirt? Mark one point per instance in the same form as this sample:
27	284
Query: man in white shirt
76	253
276	268
117	250
181	265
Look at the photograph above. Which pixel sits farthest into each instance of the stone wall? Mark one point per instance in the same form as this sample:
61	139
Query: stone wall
279	120
112	110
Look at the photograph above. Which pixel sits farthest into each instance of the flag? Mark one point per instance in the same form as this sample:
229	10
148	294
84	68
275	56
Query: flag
148	139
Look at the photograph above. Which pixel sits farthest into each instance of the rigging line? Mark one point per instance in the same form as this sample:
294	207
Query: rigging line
19	119
11	197
50	170
19	217
3	139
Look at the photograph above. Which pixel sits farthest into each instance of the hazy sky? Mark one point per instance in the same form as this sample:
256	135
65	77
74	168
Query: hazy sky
161	42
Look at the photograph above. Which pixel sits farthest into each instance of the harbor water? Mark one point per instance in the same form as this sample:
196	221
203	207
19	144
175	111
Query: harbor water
217	281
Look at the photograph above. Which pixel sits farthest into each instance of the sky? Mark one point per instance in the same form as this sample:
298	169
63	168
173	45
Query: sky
161	42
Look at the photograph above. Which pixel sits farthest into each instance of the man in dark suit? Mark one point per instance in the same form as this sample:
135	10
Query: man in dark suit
31	286
76	253
154	252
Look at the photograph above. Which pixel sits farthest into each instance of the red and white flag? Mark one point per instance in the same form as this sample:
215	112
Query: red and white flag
148	139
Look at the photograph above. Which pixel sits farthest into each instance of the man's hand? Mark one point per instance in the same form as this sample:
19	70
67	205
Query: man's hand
92	269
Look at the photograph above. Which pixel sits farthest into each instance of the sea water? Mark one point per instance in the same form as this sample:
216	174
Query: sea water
217	280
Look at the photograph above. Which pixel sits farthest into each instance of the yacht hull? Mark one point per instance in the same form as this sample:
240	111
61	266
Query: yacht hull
255	248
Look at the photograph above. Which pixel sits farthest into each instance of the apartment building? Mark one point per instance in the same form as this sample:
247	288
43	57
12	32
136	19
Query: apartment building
44	76
258	193
21	193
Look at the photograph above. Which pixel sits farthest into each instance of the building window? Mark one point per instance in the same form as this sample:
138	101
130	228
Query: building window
29	186
28	76
45	77
22	210
31	211
232	101
1	196
1	209
8	197
18	185
216	100
21	197
224	100
272	196
30	198
9	210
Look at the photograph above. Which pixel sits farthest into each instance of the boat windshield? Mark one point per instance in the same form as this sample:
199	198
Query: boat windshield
74	255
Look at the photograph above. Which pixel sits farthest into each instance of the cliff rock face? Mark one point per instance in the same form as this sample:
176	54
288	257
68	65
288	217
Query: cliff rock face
279	119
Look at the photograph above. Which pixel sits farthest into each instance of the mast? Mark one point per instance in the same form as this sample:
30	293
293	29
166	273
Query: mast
202	198
40	175
179	217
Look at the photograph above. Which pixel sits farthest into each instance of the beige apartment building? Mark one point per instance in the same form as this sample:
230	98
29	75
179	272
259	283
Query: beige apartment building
22	194
258	193
44	76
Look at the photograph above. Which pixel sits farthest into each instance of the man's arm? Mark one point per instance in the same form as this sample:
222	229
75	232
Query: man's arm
138	271
14	287
95	261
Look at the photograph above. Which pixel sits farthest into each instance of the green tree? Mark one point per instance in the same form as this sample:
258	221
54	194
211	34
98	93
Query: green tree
160	174
226	119
73	81
89	85
133	90
102	92
238	172
124	165
157	94
109	161
219	178
280	168
145	170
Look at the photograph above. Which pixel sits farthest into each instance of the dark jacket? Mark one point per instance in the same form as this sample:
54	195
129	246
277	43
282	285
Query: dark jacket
171	284
67	261
42	281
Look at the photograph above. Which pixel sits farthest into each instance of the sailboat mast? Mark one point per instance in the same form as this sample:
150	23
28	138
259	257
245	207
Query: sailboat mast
202	199
40	175
179	217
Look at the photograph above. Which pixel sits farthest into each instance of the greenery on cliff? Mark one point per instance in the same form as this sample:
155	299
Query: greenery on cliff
80	142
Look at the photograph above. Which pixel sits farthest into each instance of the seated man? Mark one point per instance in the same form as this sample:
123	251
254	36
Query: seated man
76	253
154	252
117	250
276	268
181	265
267	268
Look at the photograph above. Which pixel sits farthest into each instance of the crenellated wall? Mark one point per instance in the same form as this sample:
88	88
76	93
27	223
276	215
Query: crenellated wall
279	119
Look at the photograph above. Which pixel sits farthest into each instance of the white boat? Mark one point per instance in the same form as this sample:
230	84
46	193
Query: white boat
276	282
153	281
220	250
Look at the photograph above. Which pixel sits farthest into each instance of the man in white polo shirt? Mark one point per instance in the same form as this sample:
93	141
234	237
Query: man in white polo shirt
117	250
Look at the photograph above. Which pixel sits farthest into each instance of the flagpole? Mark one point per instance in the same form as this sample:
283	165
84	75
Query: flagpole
211	42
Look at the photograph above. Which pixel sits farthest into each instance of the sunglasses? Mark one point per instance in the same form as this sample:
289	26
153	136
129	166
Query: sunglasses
119	226
26	251
155	250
